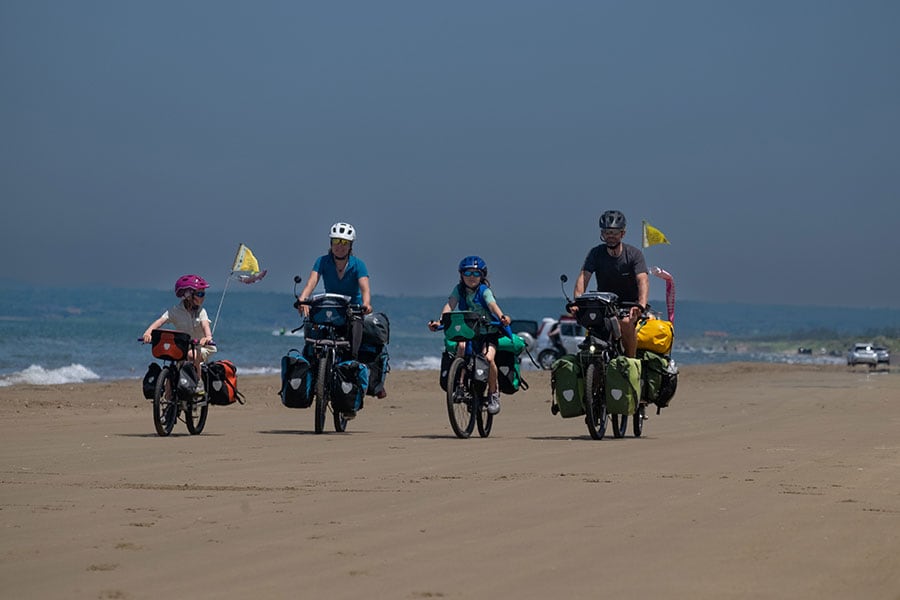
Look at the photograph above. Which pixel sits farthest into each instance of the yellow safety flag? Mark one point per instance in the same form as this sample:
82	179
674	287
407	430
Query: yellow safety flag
652	235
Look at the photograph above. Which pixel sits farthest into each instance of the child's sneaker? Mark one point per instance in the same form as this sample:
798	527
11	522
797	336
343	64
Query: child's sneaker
493	406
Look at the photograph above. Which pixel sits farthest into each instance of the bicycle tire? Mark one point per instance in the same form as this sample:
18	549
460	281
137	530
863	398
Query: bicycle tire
459	399
322	376
639	417
195	417
595	400
619	425
483	418
165	405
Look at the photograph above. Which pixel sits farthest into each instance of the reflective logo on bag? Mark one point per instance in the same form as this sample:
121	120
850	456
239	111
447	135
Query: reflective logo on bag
568	395
346	387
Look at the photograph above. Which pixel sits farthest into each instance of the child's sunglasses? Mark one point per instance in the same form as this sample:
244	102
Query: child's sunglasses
199	294
474	273
340	241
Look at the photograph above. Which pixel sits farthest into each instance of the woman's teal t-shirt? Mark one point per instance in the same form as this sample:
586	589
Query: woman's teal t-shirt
349	284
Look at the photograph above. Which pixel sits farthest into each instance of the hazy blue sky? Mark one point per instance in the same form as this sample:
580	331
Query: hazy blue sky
142	140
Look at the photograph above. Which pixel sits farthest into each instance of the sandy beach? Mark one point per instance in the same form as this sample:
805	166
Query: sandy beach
760	481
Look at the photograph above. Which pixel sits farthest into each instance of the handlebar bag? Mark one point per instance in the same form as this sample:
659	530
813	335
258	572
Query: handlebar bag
149	382
351	378
461	325
567	386
169	344
296	380
329	310
623	385
655	335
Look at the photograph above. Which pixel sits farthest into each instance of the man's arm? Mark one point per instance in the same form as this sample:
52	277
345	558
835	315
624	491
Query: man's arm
643	285
581	283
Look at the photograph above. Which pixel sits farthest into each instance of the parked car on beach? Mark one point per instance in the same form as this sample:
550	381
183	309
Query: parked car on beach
883	354
862	354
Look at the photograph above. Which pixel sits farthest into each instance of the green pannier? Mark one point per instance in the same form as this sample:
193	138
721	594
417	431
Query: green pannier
513	344
653	367
461	325
567	385
623	385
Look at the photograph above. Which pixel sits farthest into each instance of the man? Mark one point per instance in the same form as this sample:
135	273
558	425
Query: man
619	268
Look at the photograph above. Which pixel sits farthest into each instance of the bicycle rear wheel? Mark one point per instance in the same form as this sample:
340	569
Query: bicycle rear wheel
639	417
322	377
594	401
165	406
459	399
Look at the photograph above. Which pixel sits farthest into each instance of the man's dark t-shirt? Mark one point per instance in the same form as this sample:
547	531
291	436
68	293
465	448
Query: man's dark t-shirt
616	273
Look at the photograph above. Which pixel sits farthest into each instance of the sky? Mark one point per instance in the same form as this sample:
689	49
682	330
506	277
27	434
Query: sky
143	140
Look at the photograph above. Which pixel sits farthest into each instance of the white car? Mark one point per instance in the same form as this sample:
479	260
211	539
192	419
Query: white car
883	354
862	354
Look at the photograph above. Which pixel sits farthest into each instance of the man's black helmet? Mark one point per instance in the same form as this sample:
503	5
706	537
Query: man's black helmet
612	219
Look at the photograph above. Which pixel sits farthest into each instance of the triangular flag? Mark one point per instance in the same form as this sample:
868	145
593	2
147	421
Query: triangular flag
652	235
246	266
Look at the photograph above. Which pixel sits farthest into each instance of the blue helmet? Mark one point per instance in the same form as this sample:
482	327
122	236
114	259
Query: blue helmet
473	262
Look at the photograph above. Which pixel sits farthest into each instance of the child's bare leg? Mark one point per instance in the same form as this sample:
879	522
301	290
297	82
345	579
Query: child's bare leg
489	353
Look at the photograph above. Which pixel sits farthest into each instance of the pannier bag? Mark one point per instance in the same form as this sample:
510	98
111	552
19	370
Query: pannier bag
461	325
655	335
509	369
567	386
351	378
509	372
187	381
623	385
168	344
296	380
446	361
669	384
653	366
376	329
377	359
149	382
480	371
221	385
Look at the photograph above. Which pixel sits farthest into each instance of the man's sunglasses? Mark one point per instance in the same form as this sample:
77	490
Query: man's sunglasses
340	241
474	273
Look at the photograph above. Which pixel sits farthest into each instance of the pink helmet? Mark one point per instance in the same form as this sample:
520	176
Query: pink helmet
189	282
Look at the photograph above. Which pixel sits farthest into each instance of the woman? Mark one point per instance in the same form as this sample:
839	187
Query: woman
341	273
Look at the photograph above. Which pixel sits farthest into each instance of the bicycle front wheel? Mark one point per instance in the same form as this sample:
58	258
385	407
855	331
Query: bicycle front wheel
619	425
195	416
484	419
459	399
165	406
322	376
639	418
595	401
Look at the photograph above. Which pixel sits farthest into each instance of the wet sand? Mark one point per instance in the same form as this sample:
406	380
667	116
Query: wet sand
760	481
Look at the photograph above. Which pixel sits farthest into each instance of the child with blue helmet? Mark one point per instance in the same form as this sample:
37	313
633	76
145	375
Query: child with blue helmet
473	292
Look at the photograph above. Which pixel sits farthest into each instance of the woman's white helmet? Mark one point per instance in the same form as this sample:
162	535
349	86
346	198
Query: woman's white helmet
343	231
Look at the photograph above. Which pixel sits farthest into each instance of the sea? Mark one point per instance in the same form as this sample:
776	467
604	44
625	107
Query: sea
69	335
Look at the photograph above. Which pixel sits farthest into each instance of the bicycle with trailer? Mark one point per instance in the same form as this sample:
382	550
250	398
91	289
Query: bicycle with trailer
173	387
327	330
467	374
598	313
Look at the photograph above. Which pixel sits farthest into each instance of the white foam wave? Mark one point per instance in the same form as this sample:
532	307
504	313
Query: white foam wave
258	370
38	375
426	363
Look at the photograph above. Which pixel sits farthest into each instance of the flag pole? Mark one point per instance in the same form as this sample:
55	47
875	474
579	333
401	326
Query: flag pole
218	310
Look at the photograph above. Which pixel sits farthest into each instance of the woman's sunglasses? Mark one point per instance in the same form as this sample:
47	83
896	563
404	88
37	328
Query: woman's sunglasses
340	241
474	273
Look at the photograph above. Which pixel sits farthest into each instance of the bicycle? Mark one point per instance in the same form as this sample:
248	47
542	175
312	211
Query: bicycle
467	395
598	313
173	348
326	328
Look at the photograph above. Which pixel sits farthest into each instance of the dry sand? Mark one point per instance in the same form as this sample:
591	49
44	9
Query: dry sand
760	481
